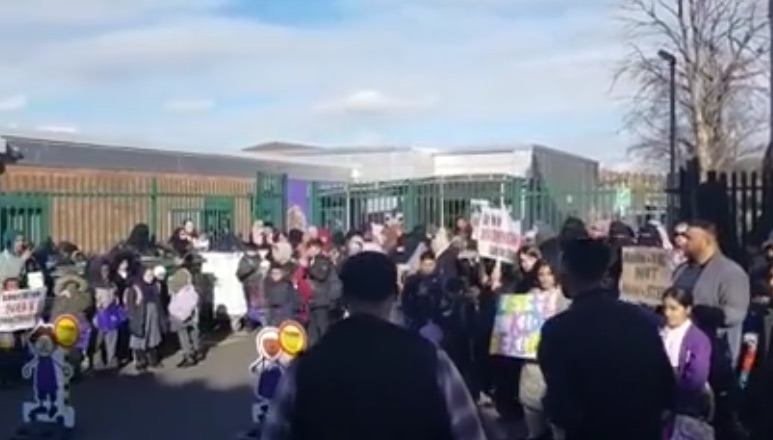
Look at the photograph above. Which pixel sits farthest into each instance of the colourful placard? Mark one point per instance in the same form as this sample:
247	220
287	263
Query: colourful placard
518	323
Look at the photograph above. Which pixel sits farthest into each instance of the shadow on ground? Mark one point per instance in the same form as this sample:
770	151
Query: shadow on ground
210	401
137	407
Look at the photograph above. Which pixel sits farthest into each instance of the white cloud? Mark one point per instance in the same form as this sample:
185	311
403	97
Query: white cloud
12	103
189	105
64	129
375	102
457	64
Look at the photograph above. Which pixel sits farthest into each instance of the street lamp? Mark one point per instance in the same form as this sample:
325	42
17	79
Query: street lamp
671	60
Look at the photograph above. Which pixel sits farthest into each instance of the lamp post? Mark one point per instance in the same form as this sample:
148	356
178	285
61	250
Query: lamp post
669	58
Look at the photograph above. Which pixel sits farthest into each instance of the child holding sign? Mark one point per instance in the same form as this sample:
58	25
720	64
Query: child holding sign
548	300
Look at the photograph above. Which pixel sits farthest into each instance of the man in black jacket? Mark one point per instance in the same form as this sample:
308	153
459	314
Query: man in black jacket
370	379
607	373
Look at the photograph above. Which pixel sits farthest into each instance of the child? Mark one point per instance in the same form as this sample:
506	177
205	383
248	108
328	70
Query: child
183	315
109	315
689	350
531	389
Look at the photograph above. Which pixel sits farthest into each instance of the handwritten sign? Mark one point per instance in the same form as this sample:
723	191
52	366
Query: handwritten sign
20	309
646	274
499	236
518	323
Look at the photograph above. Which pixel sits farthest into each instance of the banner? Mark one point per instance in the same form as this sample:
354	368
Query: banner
499	236
20	309
518	323
227	293
646	274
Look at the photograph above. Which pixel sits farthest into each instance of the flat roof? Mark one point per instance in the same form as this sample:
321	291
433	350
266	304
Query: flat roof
58	152
292	149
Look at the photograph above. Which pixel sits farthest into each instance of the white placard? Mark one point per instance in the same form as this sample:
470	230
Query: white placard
498	235
227	293
35	280
21	309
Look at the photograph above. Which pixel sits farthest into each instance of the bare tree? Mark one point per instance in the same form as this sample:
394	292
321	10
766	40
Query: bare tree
721	75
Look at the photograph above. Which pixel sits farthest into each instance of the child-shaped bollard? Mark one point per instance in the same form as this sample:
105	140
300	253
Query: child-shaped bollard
276	347
49	415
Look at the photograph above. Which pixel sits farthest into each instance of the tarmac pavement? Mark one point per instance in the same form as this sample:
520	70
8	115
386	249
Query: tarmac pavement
210	401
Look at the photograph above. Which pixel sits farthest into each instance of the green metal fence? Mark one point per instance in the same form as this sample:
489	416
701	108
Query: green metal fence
96	213
441	201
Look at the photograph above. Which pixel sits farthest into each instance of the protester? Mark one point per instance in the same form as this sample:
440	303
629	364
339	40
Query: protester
721	292
183	238
531	388
184	314
321	277
419	393
606	372
282	300
109	315
528	257
251	272
689	352
679	242
15	257
143	304
422	294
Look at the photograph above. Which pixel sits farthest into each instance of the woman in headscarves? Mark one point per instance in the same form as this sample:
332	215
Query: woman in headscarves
144	307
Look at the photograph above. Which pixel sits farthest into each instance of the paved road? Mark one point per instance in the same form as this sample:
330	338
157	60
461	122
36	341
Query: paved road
210	401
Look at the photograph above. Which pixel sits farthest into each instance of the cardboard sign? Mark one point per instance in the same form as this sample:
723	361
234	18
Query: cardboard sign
518	323
499	236
646	274
20	309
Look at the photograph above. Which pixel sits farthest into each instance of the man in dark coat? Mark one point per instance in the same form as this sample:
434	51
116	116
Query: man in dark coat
607	373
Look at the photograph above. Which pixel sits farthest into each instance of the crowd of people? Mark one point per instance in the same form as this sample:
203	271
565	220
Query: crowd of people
412	358
606	368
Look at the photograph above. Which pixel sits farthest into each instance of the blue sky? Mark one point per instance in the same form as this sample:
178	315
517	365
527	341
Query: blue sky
217	75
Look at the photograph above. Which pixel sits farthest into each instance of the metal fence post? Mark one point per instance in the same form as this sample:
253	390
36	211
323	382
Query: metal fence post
154	205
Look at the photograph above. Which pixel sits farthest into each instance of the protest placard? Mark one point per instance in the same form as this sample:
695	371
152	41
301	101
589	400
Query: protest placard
646	274
227	294
499	236
476	209
518	324
20	309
